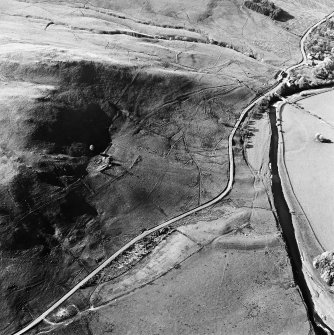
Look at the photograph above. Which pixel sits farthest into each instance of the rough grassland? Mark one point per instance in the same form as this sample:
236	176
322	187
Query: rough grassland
157	85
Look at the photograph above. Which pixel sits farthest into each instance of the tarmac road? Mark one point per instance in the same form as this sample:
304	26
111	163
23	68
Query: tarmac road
227	189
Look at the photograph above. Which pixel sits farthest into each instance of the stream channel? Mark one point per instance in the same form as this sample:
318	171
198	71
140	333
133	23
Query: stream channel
286	224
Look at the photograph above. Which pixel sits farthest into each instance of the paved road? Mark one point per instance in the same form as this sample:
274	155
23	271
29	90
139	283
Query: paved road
227	189
303	39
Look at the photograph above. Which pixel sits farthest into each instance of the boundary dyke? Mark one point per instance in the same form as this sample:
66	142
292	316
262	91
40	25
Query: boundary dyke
308	244
270	92
138	238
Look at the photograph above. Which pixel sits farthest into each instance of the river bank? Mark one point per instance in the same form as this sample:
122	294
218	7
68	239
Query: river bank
301	163
174	101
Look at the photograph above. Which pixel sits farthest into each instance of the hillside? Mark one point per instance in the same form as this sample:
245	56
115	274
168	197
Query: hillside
157	86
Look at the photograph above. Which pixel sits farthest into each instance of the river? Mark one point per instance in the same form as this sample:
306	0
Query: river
302	184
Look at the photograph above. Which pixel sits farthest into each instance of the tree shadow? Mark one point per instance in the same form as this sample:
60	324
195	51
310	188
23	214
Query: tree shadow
257	116
326	140
250	130
284	16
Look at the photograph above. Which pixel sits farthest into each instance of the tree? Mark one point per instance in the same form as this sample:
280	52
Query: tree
303	83
264	7
320	72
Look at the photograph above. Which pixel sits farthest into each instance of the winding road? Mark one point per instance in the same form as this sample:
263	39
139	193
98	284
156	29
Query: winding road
227	189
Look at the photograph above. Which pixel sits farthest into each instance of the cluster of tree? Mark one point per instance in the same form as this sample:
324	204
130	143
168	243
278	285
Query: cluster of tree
265	7
325	69
297	83
321	42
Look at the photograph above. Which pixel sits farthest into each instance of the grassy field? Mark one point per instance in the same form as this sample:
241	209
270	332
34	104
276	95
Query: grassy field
158	86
